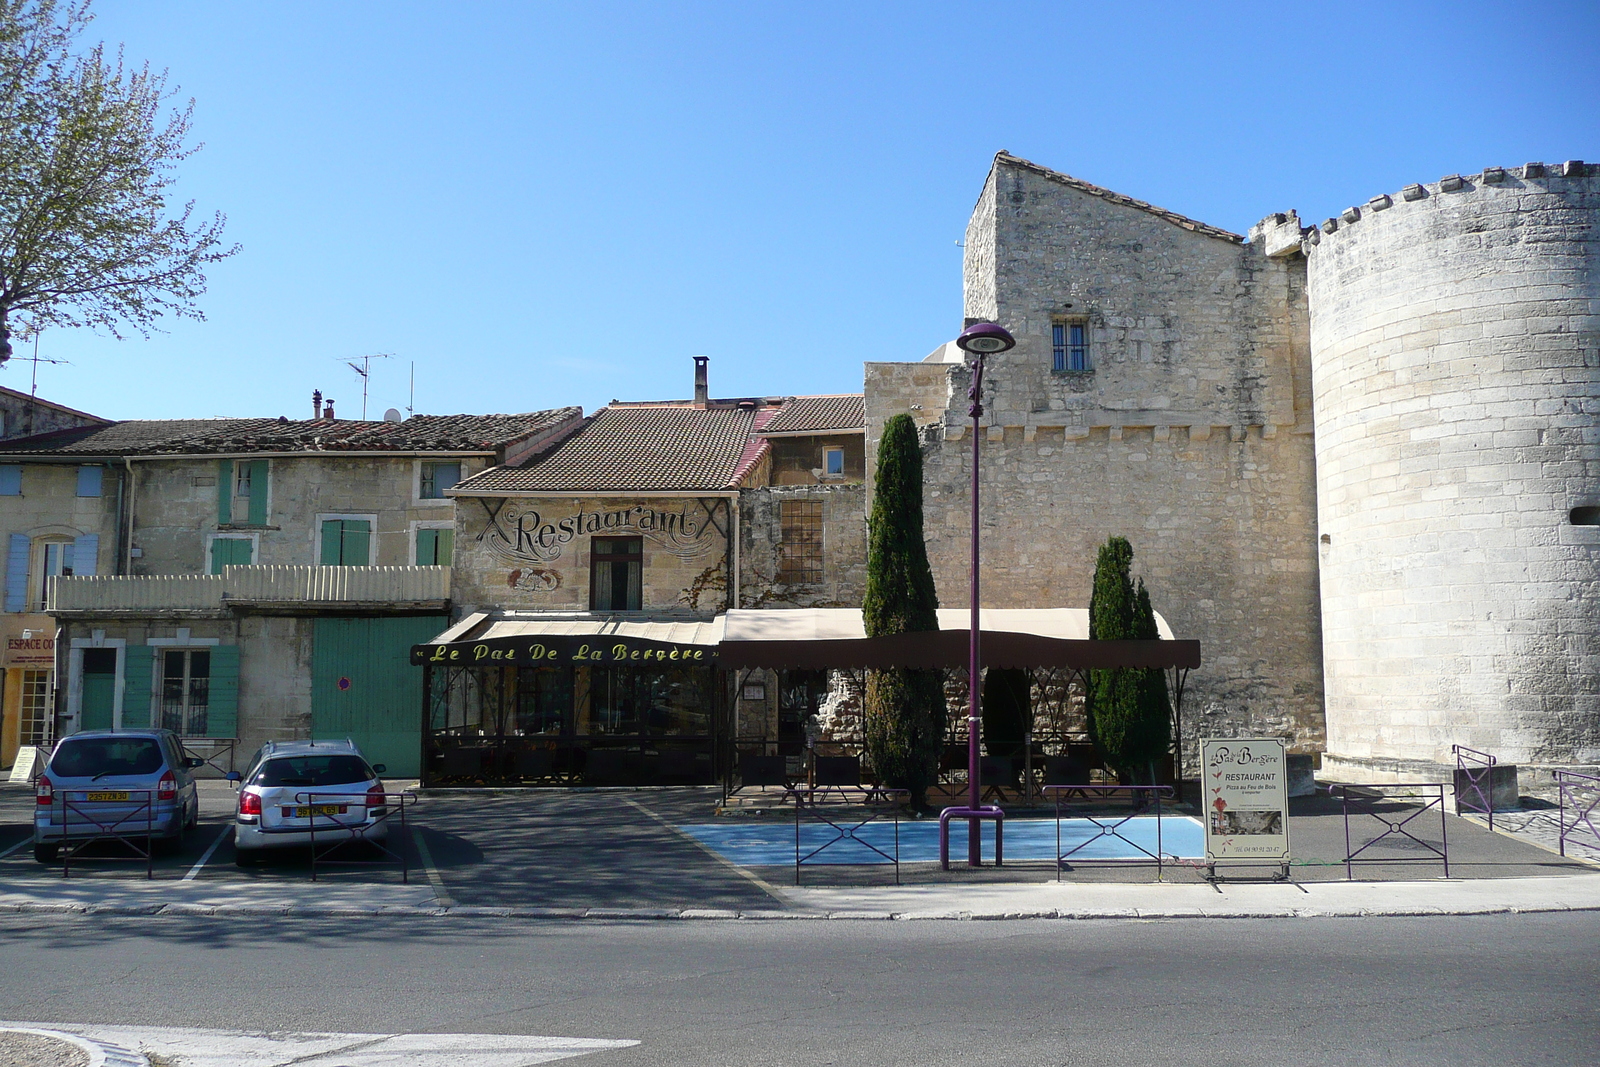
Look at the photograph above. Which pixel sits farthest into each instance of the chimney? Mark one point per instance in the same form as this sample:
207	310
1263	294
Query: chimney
701	390
328	411
316	404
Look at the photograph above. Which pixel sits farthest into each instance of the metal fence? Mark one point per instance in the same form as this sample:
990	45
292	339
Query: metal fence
847	820
1579	797
347	838
1396	808
1142	800
1476	769
122	817
255	583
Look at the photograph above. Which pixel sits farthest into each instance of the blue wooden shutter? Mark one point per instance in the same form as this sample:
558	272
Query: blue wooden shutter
138	666
224	492
10	480
17	572
85	555
258	492
222	713
89	479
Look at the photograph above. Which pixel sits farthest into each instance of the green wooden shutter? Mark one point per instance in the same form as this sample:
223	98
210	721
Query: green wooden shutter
331	534
224	492
138	665
447	543
258	492
427	547
222	713
356	549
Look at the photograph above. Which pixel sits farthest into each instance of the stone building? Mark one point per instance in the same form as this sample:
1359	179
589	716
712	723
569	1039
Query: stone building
1358	461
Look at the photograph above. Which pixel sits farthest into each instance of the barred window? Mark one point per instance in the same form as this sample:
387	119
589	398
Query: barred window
1069	345
800	542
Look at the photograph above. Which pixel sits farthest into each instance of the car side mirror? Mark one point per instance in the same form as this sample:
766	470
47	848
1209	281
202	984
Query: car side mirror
379	768
191	762
235	777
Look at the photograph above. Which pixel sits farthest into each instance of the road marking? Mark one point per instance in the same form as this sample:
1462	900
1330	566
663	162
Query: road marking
207	857
238	1048
432	871
749	876
16	846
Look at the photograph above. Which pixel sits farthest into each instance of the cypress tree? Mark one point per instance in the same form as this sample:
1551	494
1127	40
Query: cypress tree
1007	712
904	712
1129	714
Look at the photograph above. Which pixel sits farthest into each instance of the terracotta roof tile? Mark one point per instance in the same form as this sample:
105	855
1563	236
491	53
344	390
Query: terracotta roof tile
635	449
819	414
1005	158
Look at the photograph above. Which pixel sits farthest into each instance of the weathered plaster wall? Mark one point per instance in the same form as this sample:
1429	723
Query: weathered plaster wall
1455	332
22	416
535	553
844	543
51	509
1191	436
795	460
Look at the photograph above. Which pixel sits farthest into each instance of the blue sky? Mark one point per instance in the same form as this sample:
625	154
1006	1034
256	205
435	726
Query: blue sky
543	204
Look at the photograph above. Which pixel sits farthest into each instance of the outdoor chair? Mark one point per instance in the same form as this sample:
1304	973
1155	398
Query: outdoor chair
607	767
462	763
763	771
535	763
998	773
1066	770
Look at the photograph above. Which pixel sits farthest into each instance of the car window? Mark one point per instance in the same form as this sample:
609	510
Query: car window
92	756
313	770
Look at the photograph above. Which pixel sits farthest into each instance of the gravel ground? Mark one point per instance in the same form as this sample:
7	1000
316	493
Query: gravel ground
36	1050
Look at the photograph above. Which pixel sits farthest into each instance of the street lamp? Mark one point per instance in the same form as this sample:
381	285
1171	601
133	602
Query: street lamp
981	339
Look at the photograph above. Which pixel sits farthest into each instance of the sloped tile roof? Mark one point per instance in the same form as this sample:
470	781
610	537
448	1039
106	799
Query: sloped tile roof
819	414
1007	159
640	448
420	433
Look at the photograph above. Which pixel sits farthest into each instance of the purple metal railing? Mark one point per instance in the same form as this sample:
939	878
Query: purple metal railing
1580	796
1384	803
1142	799
123	829
1477	768
351	834
875	802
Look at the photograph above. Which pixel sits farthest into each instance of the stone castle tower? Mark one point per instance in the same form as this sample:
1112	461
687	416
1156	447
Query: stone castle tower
1253	414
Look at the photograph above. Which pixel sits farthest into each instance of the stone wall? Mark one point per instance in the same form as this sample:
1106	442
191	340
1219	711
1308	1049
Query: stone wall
1455	333
1190	436
844	540
24	416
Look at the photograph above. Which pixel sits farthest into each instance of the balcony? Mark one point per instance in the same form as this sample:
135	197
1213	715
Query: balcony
257	587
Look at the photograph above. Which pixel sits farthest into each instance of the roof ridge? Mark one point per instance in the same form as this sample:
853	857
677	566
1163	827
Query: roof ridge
1182	221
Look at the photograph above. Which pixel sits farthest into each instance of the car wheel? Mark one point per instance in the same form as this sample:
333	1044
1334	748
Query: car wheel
46	853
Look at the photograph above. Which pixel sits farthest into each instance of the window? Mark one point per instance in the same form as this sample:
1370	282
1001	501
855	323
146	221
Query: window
36	720
58	559
800	541
185	690
434	547
345	542
242	485
230	551
616	573
833	461
437	477
89	480
1069	345
11	479
242	476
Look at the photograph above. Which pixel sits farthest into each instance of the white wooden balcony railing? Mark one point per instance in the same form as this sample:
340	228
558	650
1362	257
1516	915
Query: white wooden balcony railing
259	584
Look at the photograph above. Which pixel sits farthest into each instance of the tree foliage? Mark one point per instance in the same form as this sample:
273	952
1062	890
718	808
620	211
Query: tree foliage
904	712
88	148
1129	713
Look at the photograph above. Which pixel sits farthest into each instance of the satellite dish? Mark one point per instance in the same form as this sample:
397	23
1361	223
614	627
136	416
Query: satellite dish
392	415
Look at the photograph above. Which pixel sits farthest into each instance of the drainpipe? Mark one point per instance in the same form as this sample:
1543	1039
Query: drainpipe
733	535
122	529
128	548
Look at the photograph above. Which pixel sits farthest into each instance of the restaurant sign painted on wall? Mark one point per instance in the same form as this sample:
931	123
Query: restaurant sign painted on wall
527	533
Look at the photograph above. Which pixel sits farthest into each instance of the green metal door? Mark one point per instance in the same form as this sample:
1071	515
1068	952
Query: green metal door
99	688
364	687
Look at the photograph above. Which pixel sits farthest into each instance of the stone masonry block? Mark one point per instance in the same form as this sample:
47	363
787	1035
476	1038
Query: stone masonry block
1533	170
1413	192
1450	183
1379	203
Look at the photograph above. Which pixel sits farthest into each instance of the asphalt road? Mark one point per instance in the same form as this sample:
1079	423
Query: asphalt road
1500	989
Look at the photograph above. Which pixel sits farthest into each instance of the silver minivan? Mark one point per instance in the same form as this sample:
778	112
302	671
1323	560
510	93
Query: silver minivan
292	784
115	783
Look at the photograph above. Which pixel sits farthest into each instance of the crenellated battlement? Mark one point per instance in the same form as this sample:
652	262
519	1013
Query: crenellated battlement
1540	177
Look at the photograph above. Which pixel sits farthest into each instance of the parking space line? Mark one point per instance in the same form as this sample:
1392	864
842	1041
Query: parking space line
16	846
722	861
445	899
195	870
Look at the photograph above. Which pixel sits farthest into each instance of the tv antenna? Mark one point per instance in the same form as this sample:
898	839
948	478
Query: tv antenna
365	370
37	359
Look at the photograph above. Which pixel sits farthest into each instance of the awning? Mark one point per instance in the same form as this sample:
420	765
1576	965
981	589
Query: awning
799	638
562	637
823	638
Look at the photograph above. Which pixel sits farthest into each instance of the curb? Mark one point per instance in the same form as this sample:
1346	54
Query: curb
100	1053
770	915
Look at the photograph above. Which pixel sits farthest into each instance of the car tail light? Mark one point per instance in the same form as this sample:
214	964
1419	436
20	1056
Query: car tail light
375	797
249	803
45	793
167	787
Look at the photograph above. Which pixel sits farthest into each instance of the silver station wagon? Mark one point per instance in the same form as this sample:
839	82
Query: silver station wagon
103	784
291	784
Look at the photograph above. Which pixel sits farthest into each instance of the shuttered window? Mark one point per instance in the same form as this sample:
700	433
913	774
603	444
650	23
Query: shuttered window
17	572
137	663
345	542
10	479
230	551
89	480
434	547
437	477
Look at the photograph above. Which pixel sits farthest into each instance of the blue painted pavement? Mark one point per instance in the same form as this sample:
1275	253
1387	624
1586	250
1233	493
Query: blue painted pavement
771	844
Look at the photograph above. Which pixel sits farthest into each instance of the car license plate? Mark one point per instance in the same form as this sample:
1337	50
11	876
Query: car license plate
105	796
314	809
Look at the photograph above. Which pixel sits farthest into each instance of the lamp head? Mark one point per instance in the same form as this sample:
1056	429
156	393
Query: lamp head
985	338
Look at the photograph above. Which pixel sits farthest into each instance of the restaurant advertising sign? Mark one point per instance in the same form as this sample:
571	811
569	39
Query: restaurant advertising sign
1246	796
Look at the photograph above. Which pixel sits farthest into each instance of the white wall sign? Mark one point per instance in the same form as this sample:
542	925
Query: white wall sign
1245	788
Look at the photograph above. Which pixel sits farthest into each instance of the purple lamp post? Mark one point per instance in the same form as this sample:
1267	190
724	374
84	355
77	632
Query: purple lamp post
980	339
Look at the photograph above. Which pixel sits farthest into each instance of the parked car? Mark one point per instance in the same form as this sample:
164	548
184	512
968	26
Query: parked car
291	783
98	783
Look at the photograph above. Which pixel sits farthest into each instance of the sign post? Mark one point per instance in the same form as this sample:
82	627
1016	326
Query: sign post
1245	789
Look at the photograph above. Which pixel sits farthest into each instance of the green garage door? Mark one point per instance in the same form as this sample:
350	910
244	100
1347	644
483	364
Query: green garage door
364	687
